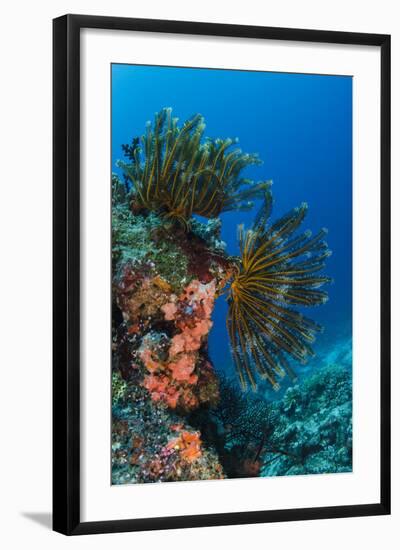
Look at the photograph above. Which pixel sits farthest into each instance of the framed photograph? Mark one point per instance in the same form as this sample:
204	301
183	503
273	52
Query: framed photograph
221	274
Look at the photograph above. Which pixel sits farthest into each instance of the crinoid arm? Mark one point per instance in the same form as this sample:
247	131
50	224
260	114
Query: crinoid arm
279	271
177	173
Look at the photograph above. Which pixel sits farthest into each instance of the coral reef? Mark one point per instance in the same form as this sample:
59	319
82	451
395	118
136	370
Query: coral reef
173	417
313	423
165	309
307	431
171	175
238	427
164	288
151	444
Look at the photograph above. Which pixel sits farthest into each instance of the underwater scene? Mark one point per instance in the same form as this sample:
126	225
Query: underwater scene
231	274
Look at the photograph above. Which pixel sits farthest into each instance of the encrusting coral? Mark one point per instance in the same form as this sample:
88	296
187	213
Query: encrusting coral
167	321
170	377
151	444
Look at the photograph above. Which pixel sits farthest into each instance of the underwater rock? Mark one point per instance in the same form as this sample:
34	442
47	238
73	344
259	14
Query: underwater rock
167	319
237	427
307	431
313	426
152	444
164	288
210	232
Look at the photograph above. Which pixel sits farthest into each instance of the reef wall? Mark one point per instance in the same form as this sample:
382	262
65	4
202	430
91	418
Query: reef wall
165	282
173	417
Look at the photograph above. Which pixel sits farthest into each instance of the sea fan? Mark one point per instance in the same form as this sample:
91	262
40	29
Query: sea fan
174	173
277	271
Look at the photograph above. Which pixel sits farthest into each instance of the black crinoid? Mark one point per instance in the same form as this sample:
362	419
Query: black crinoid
174	171
177	173
278	270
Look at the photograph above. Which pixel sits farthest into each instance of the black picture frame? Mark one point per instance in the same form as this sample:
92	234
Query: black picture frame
66	272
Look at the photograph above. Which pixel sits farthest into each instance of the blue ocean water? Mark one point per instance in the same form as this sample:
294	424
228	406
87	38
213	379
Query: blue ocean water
301	127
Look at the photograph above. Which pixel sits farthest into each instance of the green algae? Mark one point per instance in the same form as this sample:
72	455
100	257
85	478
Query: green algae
119	388
136	239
